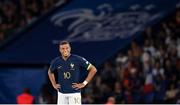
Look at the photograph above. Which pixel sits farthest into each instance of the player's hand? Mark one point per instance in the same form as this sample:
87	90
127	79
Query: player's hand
57	86
77	85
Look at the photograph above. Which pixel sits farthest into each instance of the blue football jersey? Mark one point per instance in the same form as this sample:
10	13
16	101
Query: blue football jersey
69	71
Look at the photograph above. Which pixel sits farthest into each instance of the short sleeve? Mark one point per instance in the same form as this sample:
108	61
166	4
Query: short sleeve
84	63
53	65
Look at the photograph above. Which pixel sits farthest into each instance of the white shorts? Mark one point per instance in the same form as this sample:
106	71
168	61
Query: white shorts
69	99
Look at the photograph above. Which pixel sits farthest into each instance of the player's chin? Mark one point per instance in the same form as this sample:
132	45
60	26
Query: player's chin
66	55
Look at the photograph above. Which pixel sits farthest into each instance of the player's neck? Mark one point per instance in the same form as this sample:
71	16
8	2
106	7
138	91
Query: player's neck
66	57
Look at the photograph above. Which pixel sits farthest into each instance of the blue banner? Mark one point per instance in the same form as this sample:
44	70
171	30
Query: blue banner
13	81
96	29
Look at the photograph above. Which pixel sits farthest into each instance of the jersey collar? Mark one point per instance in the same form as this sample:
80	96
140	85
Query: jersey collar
67	58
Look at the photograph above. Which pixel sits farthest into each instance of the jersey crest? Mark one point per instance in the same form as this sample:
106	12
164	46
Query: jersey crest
72	66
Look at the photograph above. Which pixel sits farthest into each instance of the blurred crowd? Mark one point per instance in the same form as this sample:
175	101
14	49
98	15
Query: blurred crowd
16	14
146	72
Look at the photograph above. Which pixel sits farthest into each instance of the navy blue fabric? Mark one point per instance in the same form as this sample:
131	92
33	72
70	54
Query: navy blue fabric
69	71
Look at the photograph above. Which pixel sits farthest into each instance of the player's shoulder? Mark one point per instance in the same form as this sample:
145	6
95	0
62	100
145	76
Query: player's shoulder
77	56
55	59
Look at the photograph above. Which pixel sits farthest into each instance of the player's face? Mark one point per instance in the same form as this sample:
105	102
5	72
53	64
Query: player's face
65	50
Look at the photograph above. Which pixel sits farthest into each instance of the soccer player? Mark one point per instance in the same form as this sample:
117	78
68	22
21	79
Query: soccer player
68	67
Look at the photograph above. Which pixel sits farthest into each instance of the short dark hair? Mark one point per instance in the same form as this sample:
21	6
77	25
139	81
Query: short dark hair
64	42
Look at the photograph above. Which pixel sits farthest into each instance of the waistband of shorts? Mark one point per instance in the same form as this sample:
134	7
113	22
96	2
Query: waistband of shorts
70	93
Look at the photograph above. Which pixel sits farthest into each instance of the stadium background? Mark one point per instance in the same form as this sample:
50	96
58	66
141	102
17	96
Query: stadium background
134	44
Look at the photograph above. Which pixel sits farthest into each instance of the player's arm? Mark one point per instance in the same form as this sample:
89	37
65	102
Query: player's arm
52	79
92	71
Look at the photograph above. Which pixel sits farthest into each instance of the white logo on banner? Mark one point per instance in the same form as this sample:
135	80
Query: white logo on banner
88	26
